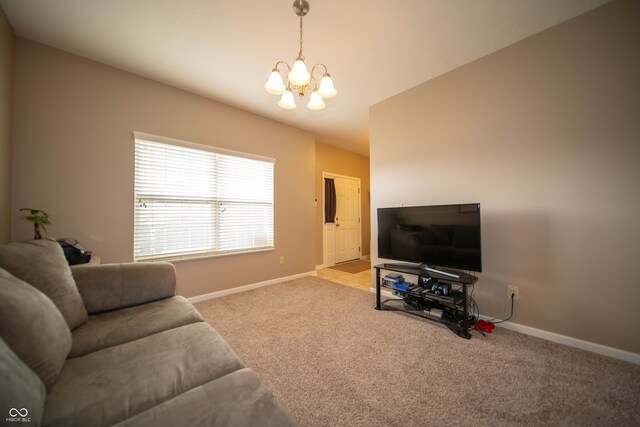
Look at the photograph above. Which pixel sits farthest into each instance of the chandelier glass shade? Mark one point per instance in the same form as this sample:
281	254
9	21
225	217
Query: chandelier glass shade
274	85
287	102
315	101
298	77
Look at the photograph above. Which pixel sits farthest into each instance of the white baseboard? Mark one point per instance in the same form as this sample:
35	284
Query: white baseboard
321	266
571	342
557	338
224	292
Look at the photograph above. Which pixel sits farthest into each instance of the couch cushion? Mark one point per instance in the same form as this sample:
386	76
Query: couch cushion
117	327
235	400
21	390
33	327
113	384
109	287
42	264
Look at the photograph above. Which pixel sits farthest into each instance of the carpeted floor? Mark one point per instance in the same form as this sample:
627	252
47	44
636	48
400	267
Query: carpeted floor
353	267
333	360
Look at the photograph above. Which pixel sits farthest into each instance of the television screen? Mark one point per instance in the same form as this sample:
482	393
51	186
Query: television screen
442	236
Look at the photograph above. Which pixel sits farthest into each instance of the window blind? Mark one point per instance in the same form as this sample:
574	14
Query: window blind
194	202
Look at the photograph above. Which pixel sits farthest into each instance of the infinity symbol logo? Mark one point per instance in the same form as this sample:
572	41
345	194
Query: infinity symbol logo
13	412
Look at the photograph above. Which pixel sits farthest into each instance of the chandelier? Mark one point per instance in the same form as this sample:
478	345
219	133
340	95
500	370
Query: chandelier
299	77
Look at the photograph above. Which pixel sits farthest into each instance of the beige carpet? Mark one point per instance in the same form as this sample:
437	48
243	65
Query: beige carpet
353	267
333	360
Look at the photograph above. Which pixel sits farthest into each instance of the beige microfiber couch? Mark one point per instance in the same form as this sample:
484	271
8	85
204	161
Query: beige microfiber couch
113	345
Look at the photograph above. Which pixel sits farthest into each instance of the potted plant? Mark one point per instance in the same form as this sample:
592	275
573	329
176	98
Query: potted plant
38	218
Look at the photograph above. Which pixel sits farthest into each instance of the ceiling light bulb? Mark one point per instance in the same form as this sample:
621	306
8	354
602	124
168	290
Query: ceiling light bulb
316	102
287	101
274	85
326	89
299	76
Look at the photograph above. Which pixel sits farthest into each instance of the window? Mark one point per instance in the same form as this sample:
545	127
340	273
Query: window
193	200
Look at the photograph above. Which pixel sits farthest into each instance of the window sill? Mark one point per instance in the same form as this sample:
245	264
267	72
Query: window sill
196	257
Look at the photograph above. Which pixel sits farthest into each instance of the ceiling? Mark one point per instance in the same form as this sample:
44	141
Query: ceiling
225	49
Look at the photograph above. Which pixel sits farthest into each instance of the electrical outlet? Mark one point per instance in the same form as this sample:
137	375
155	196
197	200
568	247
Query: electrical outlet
512	290
282	259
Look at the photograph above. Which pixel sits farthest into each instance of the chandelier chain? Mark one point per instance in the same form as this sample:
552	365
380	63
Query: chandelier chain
300	52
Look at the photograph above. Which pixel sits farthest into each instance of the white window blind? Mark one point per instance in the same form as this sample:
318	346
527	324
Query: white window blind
194	202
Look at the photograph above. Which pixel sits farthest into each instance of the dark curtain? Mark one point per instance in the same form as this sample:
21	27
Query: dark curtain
329	200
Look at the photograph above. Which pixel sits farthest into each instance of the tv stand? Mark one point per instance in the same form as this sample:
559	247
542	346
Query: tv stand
418	301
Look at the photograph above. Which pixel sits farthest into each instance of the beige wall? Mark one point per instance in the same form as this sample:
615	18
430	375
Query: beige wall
74	158
546	135
341	162
7	47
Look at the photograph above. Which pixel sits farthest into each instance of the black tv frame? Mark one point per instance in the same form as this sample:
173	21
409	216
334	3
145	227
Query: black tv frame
425	264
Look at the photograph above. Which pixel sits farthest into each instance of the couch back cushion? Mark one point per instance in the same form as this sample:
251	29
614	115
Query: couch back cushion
41	263
22	393
33	327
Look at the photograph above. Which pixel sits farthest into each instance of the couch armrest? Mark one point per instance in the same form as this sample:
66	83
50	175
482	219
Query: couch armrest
113	286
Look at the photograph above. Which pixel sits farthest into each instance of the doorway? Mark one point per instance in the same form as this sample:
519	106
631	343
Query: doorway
342	234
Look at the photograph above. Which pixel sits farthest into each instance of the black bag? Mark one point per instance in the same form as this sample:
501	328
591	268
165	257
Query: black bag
74	252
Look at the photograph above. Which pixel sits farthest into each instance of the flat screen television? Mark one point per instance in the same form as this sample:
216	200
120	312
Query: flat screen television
433	236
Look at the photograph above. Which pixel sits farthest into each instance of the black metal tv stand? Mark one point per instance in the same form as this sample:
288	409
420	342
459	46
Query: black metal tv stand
458	300
449	274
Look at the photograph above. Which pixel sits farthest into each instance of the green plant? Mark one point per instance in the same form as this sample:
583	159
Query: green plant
38	218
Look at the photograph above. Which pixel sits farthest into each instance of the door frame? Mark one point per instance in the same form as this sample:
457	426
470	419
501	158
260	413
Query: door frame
328	227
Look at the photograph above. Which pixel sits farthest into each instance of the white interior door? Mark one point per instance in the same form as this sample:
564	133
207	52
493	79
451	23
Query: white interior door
347	225
328	244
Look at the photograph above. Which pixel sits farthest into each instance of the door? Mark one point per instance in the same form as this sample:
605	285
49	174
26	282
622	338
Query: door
347	225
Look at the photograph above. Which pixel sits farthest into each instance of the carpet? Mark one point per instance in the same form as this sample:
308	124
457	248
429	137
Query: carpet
333	360
353	267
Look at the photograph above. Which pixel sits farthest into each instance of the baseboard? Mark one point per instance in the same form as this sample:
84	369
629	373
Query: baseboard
570	341
604	350
365	257
224	292
321	266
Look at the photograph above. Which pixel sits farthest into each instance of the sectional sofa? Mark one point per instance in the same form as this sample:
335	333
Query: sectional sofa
113	345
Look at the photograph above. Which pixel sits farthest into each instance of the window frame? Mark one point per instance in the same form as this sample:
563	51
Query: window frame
199	254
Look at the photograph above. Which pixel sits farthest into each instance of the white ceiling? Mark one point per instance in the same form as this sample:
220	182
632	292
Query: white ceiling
226	49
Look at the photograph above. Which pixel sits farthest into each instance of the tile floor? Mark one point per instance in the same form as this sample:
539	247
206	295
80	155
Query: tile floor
362	280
